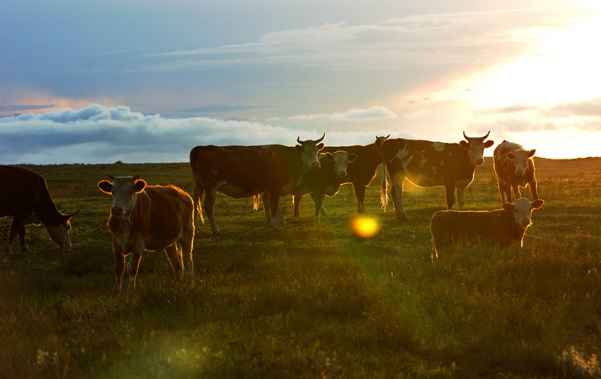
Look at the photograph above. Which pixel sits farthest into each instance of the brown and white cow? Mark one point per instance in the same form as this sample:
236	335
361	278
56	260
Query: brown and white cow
428	164
245	171
362	170
514	167
24	196
151	218
503	226
323	181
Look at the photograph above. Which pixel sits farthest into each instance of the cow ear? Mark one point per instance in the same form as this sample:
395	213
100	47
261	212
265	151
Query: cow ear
464	144
488	144
352	157
139	185
536	204
510	155
507	206
329	156
531	153
320	146
105	186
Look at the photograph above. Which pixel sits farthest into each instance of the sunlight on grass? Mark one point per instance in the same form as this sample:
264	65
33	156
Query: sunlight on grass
364	226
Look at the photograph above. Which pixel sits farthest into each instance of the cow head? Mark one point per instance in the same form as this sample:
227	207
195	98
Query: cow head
60	233
309	150
124	190
520	157
522	211
475	147
341	160
380	140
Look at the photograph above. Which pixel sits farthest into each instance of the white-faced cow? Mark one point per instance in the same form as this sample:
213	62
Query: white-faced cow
362	170
245	171
24	196
514	167
151	218
503	226
428	164
324	181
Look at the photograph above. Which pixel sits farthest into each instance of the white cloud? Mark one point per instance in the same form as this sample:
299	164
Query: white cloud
98	134
369	114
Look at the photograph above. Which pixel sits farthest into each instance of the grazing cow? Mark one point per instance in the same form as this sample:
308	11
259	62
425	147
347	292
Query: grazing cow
428	164
324	181
514	167
151	218
24	196
362	170
244	171
503	226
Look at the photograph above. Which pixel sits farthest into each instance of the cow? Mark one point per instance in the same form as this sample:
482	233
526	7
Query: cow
503	226
363	169
324	181
24	195
152	218
428	164
245	171
514	167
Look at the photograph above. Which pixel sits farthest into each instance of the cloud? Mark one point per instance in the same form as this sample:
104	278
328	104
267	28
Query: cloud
98	134
414	41
583	108
369	114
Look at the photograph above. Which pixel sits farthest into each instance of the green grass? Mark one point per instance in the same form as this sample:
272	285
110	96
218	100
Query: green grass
310	301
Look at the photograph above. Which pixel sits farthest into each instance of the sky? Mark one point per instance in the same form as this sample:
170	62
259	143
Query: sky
147	80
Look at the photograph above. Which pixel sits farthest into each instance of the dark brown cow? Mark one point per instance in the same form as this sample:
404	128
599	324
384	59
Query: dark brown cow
503	226
151	218
24	196
514	167
244	171
428	164
324	181
363	169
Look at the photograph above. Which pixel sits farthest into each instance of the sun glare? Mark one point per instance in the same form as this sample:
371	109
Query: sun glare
562	67
365	227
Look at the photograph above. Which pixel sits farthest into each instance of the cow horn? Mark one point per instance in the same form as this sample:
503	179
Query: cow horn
298	140
137	176
110	176
486	135
464	136
321	139
74	213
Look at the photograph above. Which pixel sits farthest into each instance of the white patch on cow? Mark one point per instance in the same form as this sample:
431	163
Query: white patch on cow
402	153
423	162
214	172
522	212
438	146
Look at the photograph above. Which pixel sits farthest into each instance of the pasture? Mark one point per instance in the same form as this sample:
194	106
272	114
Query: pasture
311	302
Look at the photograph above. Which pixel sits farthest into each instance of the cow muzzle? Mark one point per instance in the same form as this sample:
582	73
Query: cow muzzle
479	161
315	165
117	211
525	222
519	173
341	173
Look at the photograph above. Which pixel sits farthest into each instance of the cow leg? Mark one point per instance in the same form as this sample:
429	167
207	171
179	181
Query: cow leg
296	200
119	268
360	194
16	227
501	186
267	206
507	192
24	246
449	190
318	200
533	189
397	196
209	207
187	242
275	207
132	269
175	259
516	191
461	186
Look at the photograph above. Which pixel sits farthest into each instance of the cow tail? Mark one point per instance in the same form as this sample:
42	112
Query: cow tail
384	189
197	189
256	199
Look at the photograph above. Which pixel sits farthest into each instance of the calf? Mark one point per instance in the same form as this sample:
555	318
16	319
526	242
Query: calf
428	164
514	167
151	218
24	195
503	226
324	181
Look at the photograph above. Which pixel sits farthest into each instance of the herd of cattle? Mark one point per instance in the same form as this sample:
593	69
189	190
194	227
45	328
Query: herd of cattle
163	217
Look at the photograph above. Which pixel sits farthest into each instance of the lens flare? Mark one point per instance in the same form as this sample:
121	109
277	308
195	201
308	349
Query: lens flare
365	227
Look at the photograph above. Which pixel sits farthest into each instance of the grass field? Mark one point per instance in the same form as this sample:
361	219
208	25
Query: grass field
311	302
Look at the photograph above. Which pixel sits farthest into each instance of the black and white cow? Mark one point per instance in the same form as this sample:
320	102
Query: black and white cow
427	164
